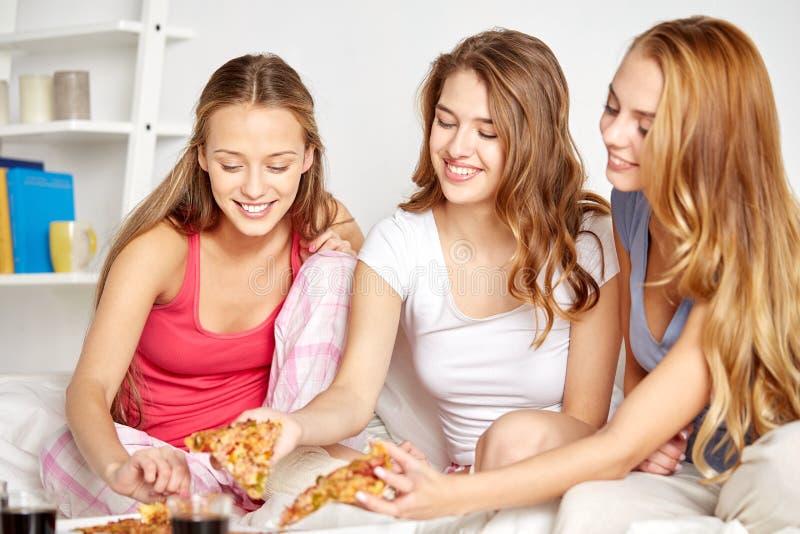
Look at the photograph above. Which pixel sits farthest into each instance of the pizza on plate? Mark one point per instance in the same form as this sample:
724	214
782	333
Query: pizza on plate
243	449
341	485
154	520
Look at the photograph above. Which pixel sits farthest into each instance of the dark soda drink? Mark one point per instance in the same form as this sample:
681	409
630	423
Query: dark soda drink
27	521
199	525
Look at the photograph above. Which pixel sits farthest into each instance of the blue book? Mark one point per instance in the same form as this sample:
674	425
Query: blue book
34	199
25	164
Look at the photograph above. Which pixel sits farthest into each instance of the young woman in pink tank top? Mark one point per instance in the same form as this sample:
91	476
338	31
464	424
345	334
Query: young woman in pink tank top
183	335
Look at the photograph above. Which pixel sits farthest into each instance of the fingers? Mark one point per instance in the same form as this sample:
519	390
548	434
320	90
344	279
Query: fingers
661	464
180	477
315	244
404	460
398	481
155	470
328	240
377	504
674	450
666	460
650	467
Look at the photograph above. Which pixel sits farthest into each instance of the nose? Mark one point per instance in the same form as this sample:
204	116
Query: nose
614	130
462	144
255	183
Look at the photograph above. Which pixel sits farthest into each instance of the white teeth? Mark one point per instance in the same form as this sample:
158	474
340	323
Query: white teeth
617	161
254	208
463	171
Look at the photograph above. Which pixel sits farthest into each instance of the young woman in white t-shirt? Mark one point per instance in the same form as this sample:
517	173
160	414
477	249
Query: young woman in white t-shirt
500	269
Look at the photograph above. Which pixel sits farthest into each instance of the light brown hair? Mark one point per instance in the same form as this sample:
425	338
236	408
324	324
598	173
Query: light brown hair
717	184
184	198
541	196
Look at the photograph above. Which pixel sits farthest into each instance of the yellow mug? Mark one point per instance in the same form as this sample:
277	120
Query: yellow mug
72	245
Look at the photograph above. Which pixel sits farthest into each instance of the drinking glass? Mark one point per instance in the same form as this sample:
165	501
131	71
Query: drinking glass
28	512
200	514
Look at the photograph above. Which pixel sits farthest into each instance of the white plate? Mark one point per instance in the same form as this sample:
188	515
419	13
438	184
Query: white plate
63	526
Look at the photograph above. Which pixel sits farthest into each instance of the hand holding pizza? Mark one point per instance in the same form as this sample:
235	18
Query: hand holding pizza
289	436
150	474
421	491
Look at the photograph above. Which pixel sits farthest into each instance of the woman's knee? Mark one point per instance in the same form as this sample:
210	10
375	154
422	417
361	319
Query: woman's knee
511	438
762	491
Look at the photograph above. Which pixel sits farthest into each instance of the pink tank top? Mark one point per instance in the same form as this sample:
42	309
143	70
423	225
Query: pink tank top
191	379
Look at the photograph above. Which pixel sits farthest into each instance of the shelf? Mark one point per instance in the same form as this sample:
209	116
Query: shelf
74	130
49	279
83	131
104	34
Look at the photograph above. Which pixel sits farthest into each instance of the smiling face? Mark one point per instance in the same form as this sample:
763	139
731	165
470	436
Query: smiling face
633	97
465	152
254	156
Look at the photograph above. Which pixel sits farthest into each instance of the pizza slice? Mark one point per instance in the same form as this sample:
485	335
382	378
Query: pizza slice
340	485
154	520
243	449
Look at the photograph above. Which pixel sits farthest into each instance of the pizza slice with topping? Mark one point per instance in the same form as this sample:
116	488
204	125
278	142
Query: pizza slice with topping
154	520
341	485
243	449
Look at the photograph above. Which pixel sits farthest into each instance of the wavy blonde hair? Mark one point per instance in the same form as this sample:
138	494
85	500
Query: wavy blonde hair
541	196
184	198
717	184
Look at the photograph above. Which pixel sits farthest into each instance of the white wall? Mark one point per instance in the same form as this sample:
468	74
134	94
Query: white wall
363	61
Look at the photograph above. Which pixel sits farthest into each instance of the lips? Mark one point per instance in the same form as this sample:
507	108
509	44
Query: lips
460	172
616	163
255	210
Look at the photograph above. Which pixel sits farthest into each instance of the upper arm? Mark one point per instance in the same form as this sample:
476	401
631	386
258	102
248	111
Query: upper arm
347	228
136	278
633	371
668	397
373	322
593	353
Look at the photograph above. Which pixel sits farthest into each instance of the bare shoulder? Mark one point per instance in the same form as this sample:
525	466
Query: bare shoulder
342	213
152	260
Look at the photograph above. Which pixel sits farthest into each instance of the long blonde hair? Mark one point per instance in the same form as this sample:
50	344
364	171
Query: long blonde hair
541	196
184	198
717	184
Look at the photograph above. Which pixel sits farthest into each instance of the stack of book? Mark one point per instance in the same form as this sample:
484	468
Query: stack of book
30	198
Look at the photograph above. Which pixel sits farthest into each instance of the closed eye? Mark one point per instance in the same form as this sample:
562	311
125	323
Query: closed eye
230	168
445	125
611	111
278	170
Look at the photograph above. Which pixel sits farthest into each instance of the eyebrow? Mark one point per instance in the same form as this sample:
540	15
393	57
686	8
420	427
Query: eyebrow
448	110
274	154
648	114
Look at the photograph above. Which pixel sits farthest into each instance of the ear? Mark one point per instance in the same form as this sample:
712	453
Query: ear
308	158
201	157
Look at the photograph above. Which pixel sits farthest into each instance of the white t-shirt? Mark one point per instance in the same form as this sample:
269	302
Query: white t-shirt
476	369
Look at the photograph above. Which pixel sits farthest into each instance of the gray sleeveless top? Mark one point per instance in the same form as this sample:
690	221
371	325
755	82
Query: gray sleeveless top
631	215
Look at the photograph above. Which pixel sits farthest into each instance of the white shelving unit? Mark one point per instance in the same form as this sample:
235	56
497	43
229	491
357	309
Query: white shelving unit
82	131
49	279
112	33
150	36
